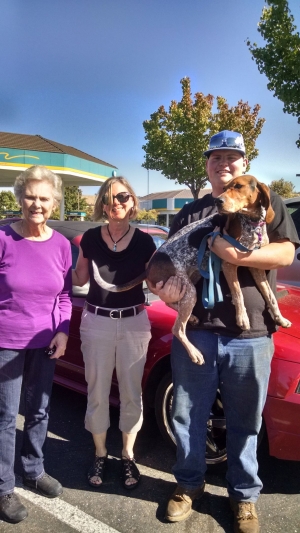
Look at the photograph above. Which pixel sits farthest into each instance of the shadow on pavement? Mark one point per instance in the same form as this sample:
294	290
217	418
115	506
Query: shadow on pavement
69	454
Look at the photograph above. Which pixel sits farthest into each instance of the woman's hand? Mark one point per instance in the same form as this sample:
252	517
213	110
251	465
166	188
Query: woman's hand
172	291
60	342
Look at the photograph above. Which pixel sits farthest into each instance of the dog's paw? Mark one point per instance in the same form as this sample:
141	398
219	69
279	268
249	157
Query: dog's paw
193	320
200	360
243	322
196	357
283	322
279	319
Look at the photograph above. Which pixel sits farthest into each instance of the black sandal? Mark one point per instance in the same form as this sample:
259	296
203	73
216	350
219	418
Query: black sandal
97	470
129	471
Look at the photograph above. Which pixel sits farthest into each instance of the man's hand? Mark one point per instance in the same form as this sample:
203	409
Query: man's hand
273	255
172	291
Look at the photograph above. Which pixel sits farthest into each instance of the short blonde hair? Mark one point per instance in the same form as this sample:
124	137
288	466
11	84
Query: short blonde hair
38	173
105	190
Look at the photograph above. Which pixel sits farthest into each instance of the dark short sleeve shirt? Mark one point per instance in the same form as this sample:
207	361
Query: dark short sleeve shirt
116	267
221	319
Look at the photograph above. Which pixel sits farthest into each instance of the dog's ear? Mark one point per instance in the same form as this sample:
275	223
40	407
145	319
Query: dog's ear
265	201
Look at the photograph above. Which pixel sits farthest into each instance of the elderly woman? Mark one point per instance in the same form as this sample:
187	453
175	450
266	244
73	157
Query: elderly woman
115	329
35	289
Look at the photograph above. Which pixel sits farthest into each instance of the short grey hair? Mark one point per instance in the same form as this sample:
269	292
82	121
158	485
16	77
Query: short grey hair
38	173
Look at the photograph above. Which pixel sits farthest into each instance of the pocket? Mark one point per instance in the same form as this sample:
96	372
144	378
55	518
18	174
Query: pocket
85	325
144	322
83	317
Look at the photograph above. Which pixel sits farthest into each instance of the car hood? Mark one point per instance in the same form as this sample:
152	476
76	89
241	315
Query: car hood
289	303
160	315
287	340
288	299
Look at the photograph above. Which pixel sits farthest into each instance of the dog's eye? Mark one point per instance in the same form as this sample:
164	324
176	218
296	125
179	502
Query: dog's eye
238	186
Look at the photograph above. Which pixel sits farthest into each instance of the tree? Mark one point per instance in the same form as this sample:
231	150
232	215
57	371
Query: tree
73	202
176	139
285	189
89	210
8	202
146	215
279	59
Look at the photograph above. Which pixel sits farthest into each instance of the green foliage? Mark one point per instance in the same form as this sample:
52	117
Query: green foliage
146	215
89	210
176	139
279	59
73	202
55	215
285	189
8	202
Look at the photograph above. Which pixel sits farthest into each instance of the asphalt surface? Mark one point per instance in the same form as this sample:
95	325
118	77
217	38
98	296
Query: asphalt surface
113	509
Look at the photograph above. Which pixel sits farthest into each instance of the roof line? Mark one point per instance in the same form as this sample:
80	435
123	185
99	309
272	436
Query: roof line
50	142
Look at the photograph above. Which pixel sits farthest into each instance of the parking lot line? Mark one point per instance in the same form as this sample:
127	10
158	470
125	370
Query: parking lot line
63	511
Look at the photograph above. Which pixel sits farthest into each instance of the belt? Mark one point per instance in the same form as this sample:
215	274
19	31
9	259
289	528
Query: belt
115	313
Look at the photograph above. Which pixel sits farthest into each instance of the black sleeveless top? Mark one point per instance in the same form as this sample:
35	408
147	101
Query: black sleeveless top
116	267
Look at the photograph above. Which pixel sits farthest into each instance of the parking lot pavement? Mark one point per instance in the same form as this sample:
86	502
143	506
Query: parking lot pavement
113	509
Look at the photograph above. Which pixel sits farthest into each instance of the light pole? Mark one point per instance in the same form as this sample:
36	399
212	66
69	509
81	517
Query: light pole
148	192
147	290
148	181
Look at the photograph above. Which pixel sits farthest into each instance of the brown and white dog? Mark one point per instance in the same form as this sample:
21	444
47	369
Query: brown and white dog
246	204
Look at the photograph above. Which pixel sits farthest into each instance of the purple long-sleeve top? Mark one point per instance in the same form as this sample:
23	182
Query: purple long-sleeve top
35	289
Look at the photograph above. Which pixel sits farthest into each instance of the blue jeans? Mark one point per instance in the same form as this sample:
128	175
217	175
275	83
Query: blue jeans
240	368
36	370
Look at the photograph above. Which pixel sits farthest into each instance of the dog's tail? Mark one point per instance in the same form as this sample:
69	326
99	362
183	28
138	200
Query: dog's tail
116	288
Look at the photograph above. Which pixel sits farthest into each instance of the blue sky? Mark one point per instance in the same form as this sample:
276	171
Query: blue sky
88	73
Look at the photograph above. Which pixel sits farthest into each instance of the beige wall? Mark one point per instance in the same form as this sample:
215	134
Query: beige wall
90	199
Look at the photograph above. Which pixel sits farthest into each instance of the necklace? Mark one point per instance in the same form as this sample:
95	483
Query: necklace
116	242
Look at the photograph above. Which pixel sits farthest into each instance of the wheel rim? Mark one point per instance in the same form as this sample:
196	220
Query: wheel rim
216	427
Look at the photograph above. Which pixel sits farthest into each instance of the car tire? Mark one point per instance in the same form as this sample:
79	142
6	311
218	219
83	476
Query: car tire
216	426
163	405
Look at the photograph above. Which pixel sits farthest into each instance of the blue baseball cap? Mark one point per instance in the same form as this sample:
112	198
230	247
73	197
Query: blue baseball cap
226	140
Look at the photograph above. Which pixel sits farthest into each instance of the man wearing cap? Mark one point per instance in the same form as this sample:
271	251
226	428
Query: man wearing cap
237	362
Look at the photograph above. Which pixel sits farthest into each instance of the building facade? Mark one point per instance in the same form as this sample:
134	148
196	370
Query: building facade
168	203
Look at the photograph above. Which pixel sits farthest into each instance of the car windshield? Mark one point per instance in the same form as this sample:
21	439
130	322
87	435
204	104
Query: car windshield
293	208
158	240
295	214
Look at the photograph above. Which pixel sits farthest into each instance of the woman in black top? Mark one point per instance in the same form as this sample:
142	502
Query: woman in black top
115	329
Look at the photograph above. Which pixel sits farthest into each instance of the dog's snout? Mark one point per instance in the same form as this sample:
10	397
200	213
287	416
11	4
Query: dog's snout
219	201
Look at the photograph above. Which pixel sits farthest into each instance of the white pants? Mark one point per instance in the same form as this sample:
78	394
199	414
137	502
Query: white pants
121	344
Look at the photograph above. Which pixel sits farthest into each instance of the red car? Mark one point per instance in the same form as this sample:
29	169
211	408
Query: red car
291	274
282	410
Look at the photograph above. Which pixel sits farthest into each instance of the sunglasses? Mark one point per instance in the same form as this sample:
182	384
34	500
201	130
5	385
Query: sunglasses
229	142
122	198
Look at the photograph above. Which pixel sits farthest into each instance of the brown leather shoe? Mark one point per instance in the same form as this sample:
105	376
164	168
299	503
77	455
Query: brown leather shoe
245	517
180	504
